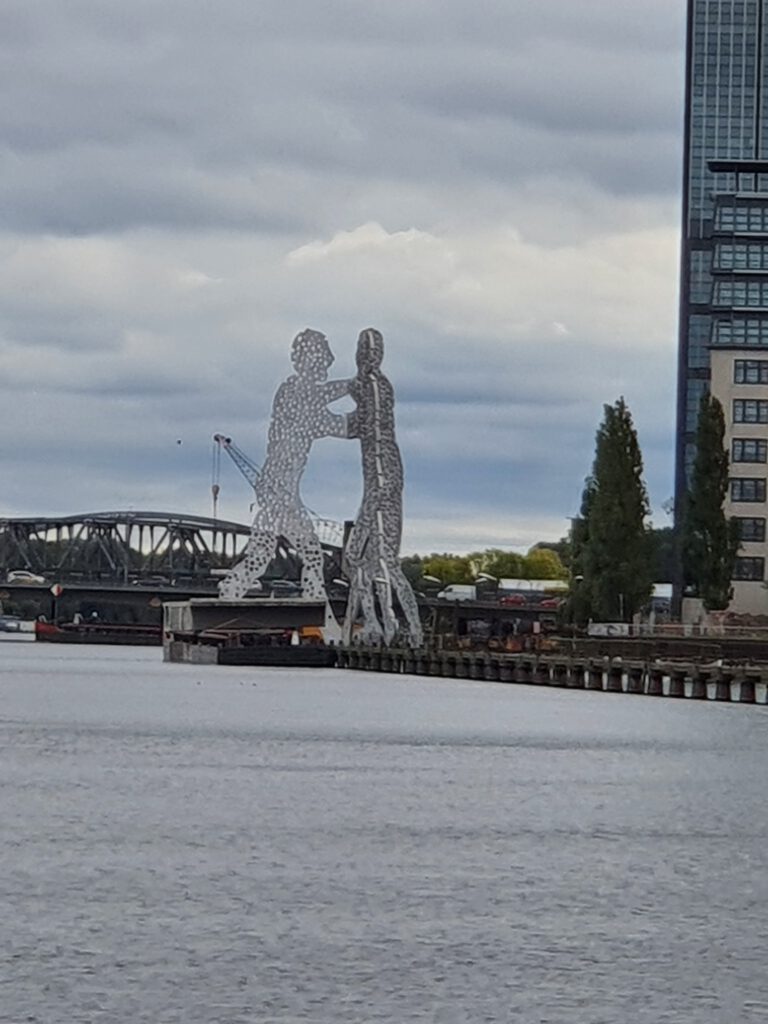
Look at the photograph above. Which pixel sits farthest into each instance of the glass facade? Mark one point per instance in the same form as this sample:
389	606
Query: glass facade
724	268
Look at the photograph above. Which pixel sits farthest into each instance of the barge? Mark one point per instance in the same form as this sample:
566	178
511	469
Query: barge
250	631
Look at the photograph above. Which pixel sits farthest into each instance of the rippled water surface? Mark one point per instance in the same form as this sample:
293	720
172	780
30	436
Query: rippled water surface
185	844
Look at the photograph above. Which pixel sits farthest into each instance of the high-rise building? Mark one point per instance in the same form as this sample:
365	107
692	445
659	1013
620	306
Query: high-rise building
724	258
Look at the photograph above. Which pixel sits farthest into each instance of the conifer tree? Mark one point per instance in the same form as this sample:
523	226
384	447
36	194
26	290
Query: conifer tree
616	560
710	540
578	605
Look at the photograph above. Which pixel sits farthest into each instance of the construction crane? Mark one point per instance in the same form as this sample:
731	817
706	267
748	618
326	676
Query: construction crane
329	532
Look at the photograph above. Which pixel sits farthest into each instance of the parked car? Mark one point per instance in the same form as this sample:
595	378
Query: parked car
24	576
284	588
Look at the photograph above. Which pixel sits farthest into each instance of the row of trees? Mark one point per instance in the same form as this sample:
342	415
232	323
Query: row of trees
613	561
543	562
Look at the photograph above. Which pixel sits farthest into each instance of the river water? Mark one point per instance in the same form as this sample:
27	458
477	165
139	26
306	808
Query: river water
193	844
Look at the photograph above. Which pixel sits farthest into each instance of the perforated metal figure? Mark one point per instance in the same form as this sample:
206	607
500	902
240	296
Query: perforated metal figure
372	554
300	415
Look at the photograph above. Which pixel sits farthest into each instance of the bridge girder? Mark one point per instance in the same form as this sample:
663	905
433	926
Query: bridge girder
126	546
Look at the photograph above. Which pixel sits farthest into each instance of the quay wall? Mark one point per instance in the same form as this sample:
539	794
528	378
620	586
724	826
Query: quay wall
739	683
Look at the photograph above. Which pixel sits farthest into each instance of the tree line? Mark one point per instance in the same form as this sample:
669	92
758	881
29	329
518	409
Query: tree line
613	555
612	543
543	562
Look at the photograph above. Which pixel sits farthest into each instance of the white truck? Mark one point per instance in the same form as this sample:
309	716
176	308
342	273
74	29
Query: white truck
458	592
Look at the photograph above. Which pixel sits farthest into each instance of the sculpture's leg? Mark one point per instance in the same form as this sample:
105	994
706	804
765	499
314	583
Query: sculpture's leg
302	534
353	609
372	631
388	617
409	605
246	574
352	566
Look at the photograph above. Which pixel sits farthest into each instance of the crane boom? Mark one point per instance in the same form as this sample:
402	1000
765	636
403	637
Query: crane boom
329	531
247	467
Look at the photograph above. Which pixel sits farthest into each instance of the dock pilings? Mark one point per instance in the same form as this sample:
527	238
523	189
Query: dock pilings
743	684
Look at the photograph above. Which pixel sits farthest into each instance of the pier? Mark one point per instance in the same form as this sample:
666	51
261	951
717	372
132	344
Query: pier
734	683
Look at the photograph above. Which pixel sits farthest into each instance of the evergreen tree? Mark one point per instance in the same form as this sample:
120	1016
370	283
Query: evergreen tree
578	606
710	541
615	557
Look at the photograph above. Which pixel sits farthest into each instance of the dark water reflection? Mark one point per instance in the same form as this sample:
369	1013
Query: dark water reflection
229	845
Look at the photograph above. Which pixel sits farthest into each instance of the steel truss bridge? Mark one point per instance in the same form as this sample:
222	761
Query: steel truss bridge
135	547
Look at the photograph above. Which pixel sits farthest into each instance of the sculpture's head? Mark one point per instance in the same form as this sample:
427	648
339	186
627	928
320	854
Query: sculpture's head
311	354
370	350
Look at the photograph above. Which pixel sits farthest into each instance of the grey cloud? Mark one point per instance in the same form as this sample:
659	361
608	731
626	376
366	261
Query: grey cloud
216	138
187	114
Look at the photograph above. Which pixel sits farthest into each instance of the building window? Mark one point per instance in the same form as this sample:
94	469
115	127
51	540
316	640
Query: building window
750	410
742	218
748	489
749	449
749	569
741	294
741	256
751	528
750	371
740	331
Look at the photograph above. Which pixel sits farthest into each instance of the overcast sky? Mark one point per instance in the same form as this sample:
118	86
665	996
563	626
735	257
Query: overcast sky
184	185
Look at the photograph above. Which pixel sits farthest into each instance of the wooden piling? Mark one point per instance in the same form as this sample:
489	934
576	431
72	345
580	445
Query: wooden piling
699	684
747	690
615	677
677	678
721	689
636	679
595	675
655	681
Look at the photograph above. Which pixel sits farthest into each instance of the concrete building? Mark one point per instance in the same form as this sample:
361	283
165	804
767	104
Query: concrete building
740	382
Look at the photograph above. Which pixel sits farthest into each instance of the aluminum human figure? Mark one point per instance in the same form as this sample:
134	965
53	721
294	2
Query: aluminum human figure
372	553
300	416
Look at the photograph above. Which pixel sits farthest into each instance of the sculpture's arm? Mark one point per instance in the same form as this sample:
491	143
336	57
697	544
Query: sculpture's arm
333	424
334	389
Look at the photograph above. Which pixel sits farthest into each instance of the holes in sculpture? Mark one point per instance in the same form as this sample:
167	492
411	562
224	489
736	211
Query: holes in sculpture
300	416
